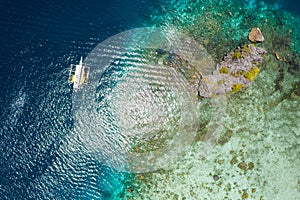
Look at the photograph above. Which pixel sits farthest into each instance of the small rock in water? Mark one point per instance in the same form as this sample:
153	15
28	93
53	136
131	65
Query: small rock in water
160	51
256	35
216	177
129	189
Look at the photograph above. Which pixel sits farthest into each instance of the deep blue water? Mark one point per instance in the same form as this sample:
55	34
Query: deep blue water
39	39
292	6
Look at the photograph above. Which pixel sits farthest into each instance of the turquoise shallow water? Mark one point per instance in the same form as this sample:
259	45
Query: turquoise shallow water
257	129
239	146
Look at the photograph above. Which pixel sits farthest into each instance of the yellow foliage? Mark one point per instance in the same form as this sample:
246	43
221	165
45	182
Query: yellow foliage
239	73
252	73
237	55
224	70
246	49
237	87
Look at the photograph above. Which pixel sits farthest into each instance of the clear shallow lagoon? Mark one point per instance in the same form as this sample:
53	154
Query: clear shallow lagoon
256	155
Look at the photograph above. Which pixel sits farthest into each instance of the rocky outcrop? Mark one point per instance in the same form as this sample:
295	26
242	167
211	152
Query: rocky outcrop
256	35
237	70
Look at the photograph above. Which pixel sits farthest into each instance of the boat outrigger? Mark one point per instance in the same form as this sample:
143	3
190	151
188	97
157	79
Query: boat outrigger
80	76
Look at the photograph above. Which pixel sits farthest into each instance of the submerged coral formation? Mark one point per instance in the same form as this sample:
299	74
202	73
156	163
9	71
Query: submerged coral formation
260	124
237	70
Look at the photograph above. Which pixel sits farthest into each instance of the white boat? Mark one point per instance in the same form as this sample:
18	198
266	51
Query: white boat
80	76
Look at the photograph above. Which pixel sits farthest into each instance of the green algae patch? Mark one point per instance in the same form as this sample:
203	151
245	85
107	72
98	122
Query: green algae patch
252	73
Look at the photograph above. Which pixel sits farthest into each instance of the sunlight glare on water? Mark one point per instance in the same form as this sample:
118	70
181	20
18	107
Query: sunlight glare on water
139	114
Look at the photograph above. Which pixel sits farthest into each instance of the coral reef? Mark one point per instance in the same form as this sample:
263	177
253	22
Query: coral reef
237	70
188	58
261	124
